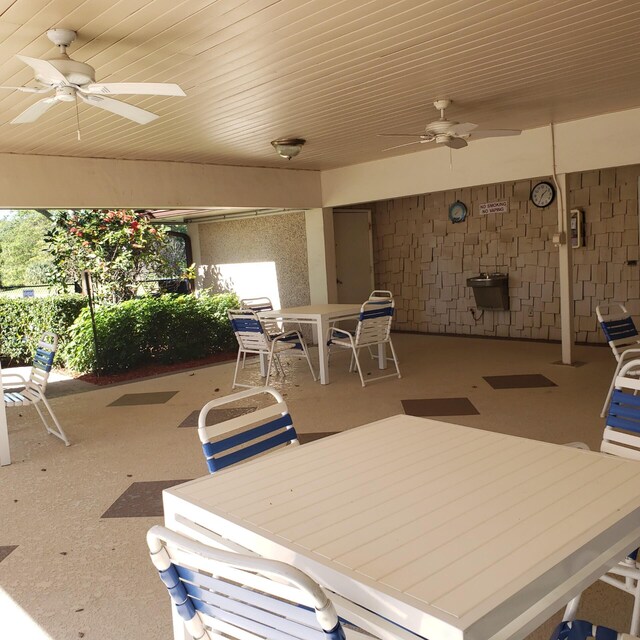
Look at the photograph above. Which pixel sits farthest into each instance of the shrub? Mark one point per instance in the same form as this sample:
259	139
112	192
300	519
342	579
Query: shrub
166	329
24	320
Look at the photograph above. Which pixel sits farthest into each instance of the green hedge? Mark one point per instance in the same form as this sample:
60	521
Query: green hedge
166	329
24	320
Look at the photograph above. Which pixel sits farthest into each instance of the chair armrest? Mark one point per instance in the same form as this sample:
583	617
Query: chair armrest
7	376
287	335
333	330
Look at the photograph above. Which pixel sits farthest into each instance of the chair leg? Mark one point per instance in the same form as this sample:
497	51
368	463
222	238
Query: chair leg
306	353
235	373
271	357
395	359
58	431
355	355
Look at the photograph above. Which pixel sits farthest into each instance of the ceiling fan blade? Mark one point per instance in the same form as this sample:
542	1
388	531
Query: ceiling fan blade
455	143
44	69
495	133
406	144
399	135
32	113
462	128
134	88
119	108
28	89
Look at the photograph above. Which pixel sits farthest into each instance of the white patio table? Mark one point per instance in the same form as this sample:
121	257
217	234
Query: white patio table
451	532
321	316
5	454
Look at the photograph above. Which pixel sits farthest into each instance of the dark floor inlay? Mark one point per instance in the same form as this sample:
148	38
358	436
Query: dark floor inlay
522	381
140	499
310	437
439	407
6	550
216	416
133	399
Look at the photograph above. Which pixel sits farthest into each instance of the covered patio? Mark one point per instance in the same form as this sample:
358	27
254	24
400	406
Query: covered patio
75	518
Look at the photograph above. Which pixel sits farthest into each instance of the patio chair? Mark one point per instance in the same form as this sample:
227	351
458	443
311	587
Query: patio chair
252	338
246	436
21	392
227	594
621	334
583	630
262	304
621	437
373	329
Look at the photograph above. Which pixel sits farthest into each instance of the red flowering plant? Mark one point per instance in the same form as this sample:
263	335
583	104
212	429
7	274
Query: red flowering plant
118	248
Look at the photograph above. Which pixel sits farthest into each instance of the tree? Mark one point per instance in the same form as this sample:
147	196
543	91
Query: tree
23	256
118	248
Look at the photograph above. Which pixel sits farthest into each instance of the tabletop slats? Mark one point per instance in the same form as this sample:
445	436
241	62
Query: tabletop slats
456	518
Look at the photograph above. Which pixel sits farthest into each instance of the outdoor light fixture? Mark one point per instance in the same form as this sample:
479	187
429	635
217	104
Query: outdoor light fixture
288	147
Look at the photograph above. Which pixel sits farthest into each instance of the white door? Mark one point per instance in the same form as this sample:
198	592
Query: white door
354	254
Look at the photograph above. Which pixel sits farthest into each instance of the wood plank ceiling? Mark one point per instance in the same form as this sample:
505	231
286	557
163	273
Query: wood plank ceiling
335	72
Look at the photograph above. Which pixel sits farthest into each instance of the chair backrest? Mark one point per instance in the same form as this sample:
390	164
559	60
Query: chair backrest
42	362
374	323
380	294
621	435
262	304
248	435
220	593
248	329
618	327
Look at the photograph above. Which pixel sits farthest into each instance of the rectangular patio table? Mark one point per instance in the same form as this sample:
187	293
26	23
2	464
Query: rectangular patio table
321	316
5	454
451	532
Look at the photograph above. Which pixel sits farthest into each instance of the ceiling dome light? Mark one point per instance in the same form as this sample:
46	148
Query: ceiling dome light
288	147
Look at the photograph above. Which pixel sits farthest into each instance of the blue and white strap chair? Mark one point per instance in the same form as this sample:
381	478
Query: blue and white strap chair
373	329
20	392
583	630
246	436
262	304
381	294
621	437
223	594
254	339
623	338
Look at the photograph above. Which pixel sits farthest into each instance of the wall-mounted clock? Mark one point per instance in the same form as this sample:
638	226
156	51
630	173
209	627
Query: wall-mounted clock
543	194
457	211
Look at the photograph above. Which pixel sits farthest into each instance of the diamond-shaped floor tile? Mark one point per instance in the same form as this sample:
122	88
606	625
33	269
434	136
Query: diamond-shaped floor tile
141	499
520	381
439	407
6	550
134	399
216	416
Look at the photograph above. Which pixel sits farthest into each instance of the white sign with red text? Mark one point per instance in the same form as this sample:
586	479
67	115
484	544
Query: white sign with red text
499	206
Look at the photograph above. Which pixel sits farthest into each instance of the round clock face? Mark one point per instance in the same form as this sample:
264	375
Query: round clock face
457	211
542	194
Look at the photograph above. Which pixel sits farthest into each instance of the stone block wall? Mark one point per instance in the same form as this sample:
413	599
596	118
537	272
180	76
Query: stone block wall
609	199
425	259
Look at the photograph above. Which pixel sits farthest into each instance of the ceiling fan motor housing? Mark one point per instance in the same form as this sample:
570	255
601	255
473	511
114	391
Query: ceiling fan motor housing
75	72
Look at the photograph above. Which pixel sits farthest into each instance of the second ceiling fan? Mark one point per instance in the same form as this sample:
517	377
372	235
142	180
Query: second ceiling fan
448	132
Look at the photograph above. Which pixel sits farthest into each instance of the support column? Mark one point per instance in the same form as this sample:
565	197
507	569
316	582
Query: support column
321	256
193	231
565	269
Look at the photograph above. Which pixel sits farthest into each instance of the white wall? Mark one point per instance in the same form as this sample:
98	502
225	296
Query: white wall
53	182
591	143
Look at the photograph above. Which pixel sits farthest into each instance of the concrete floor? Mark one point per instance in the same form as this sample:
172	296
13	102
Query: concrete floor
75	574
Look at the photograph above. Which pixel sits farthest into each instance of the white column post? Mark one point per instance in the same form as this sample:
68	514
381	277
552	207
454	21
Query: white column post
5	455
565	269
193	231
321	256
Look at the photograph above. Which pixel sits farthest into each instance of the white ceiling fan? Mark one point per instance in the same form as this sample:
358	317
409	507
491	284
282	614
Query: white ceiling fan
71	80
448	132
